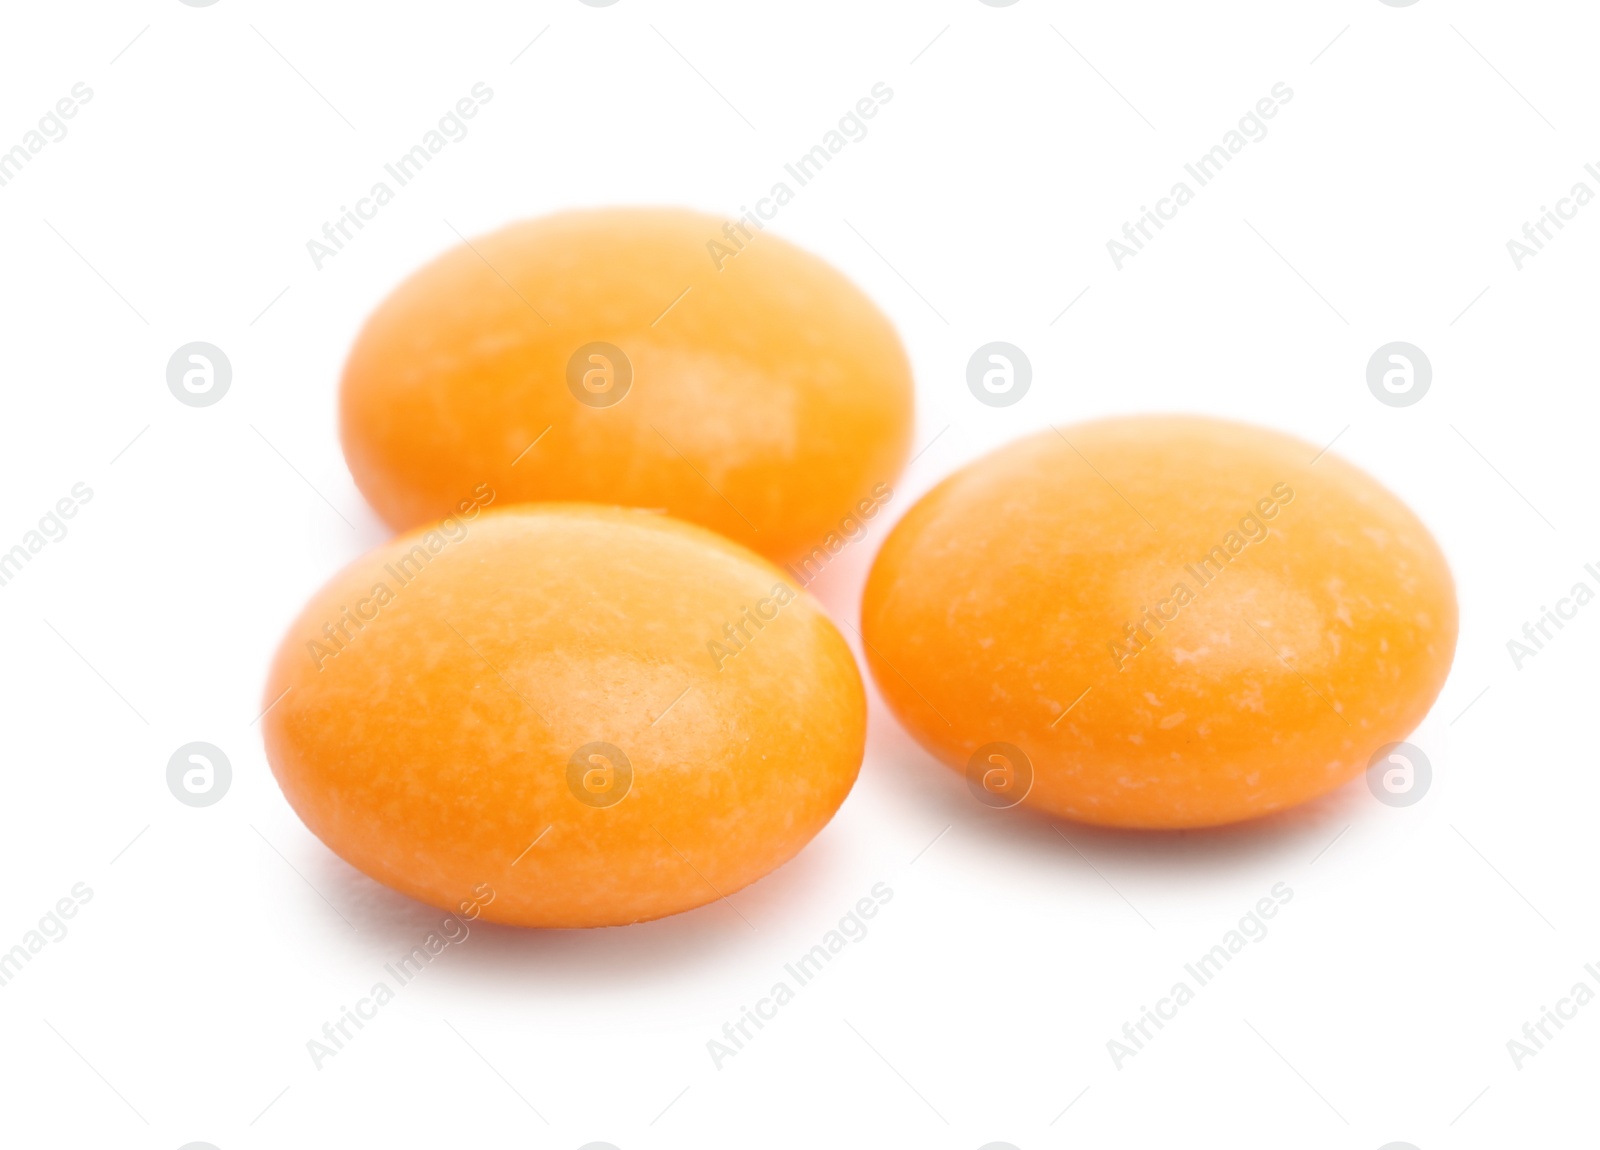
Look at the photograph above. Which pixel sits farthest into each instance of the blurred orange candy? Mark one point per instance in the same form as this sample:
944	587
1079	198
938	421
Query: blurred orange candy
1159	622
564	716
651	358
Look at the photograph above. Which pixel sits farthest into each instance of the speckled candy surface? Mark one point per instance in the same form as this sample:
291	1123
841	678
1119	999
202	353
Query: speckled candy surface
1159	622
564	715
652	358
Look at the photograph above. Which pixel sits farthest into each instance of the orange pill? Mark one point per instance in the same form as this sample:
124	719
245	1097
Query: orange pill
644	357
1159	622
564	715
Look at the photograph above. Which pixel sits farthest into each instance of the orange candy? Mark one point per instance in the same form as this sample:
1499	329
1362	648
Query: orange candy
646	357
1159	622
564	716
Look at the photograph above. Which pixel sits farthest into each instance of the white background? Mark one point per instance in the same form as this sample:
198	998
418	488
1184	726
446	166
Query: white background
1019	139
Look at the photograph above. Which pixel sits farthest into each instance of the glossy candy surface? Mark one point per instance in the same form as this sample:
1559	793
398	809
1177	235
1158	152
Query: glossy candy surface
564	715
652	358
1159	622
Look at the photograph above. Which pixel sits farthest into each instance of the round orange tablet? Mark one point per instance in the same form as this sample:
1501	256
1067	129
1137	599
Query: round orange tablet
564	715
651	358
1159	622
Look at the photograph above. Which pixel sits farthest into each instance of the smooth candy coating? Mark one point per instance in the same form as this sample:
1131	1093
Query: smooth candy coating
481	702
764	400
1250	628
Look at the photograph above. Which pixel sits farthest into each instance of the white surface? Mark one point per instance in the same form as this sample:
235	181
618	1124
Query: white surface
1411	952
